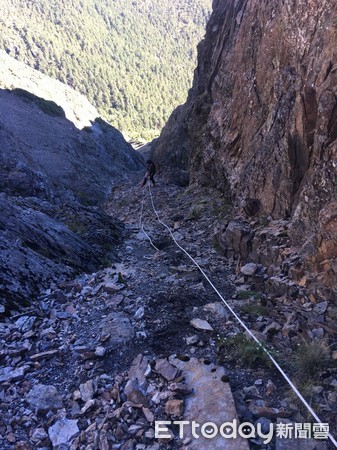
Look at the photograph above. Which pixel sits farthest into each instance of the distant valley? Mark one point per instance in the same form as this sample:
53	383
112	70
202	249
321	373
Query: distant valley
134	61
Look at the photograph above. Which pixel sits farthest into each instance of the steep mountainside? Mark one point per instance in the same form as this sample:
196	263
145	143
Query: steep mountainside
260	123
54	179
133	60
17	75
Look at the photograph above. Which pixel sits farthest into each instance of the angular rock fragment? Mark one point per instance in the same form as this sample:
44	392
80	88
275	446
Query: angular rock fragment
174	407
63	431
201	325
44	397
12	374
164	368
87	390
249	269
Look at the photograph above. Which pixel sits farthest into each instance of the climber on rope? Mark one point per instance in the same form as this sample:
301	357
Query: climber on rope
150	173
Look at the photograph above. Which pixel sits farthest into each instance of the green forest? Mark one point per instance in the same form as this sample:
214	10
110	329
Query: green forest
133	59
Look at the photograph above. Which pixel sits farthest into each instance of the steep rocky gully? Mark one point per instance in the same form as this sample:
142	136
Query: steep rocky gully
91	364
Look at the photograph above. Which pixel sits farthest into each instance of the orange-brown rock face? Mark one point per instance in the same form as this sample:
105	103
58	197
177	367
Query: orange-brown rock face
261	118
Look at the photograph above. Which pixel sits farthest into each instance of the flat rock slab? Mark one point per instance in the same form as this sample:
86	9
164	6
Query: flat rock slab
62	432
12	374
201	325
210	401
167	370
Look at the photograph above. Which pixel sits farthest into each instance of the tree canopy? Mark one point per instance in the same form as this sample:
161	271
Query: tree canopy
134	60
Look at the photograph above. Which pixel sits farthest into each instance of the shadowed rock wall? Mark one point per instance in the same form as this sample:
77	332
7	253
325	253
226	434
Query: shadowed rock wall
260	121
54	180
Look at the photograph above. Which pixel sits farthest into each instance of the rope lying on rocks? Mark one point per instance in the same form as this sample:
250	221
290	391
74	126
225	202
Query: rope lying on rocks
142	227
279	368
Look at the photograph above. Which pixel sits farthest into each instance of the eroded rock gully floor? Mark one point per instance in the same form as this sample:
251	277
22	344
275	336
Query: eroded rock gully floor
101	357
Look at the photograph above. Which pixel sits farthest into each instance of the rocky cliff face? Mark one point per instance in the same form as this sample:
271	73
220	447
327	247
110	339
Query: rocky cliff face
54	179
261	124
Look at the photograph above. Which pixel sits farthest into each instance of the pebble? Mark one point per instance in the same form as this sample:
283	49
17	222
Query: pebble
191	340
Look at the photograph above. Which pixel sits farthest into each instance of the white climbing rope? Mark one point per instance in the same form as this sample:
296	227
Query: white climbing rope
279	368
142	227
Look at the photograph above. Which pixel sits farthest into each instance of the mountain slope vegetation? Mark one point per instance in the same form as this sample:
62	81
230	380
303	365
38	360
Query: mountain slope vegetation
134	60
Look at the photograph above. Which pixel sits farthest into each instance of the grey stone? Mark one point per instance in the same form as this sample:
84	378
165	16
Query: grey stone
100	351
251	392
334	383
249	269
201	407
87	390
39	434
318	333
139	314
63	431
63	315
321	308
44	397
133	429
25	323
191	340
12	374
166	369
180	388
268	412
118	326
111	288
218	309
139	371
178	236
201	325
88	405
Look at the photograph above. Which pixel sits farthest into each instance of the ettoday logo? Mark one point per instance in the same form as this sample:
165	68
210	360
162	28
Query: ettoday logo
246	430
209	430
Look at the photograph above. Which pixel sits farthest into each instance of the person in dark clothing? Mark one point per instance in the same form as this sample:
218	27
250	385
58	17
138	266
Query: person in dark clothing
150	173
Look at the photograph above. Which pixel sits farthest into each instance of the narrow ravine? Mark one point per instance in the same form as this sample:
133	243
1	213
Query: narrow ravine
92	365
